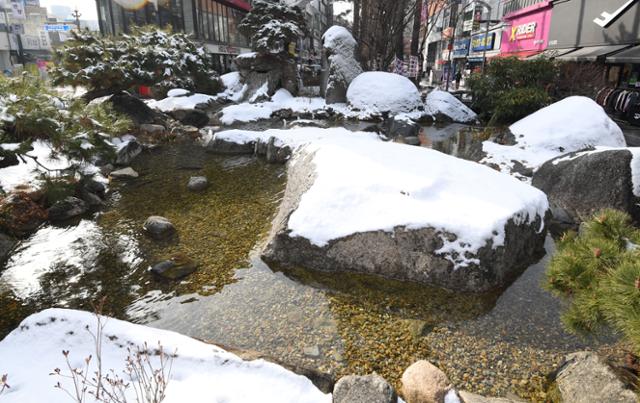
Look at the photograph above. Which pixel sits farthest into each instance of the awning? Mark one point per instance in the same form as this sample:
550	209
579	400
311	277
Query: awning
631	55
591	53
520	55
552	53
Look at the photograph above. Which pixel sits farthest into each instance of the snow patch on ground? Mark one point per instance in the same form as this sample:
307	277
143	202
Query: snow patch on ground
178	102
364	184
442	102
570	125
282	99
378	92
28	172
201	372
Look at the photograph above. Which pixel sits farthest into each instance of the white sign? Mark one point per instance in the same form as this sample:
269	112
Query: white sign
17	10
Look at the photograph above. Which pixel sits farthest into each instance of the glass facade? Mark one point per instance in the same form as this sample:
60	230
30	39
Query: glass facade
212	21
218	23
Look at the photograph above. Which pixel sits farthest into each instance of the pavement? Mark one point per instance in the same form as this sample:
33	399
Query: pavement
631	133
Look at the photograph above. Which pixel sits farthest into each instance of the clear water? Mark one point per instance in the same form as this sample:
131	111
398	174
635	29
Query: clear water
492	344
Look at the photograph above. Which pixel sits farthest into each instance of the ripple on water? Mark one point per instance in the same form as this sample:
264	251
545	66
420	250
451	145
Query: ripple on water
339	323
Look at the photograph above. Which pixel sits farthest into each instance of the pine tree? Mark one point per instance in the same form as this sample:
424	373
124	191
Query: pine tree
599	270
148	56
272	26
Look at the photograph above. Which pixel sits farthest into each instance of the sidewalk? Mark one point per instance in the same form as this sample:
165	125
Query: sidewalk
631	133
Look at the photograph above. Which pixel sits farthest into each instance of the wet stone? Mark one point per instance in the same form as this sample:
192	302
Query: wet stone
175	268
159	227
66	209
125	173
197	183
312	351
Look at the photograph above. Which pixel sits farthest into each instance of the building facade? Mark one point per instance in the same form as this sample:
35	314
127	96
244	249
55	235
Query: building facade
23	40
214	22
526	27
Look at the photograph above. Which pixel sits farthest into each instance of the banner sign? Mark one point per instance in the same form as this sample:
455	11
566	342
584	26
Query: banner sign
461	48
57	27
483	42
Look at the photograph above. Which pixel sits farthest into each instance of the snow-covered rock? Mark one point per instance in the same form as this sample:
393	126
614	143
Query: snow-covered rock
580	184
340	51
183	102
281	100
444	106
177	92
355	203
379	92
573	124
200	372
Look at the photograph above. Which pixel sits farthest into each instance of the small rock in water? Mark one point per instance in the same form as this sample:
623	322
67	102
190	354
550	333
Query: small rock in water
313	351
197	183
7	244
125	173
67	208
128	152
152	129
424	382
177	267
158	227
364	389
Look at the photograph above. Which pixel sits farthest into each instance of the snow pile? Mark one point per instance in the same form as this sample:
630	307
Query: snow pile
443	103
200	372
364	184
281	100
378	92
27	172
178	100
293	138
573	124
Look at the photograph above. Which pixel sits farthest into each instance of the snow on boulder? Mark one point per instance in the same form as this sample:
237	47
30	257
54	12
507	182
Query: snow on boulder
340	51
180	102
378	92
573	124
200	372
177	92
409	213
444	106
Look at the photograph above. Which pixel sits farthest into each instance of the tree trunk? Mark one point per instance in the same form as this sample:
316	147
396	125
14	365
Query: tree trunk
417	25
356	19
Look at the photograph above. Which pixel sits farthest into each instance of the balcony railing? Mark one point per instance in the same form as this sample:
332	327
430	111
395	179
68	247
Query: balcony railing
514	5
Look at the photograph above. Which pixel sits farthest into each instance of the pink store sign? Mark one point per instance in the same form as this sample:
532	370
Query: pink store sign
527	29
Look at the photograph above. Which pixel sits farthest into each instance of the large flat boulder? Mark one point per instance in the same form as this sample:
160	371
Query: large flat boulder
353	204
580	184
586	378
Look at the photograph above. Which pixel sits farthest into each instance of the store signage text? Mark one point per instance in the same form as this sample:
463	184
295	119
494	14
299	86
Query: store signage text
483	42
523	31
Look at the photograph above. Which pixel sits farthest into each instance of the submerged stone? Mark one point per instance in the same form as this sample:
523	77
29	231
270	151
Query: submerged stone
159	227
67	208
177	267
197	183
364	389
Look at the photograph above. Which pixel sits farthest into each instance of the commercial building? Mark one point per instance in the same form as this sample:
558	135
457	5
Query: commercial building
526	27
214	22
23	40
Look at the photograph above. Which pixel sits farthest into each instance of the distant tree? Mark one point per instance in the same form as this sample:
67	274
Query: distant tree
272	26
148	56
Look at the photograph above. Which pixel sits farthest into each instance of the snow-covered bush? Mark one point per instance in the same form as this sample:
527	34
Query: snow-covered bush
149	56
272	25
380	92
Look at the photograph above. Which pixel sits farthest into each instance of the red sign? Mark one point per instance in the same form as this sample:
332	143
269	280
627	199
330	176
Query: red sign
241	4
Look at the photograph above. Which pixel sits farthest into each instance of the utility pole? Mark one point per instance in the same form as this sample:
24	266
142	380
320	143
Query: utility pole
76	15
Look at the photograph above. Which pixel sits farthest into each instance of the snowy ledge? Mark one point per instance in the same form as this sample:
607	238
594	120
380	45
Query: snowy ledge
200	372
360	184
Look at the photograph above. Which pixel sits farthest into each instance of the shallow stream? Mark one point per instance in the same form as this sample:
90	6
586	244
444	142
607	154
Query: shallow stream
491	344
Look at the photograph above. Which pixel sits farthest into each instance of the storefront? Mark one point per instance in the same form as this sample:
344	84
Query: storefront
526	31
602	35
460	53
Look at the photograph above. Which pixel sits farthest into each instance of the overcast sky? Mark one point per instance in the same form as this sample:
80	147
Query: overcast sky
86	7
